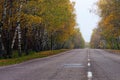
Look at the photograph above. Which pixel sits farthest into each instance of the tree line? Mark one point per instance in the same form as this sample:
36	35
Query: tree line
107	34
37	25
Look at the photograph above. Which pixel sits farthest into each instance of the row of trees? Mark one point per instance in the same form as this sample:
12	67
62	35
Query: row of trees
37	25
107	34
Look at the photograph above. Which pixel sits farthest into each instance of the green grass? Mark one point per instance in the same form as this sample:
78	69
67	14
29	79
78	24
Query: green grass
16	60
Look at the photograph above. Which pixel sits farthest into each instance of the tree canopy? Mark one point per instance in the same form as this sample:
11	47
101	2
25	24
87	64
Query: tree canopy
37	25
107	34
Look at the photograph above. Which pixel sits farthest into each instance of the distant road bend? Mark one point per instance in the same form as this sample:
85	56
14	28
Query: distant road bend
77	64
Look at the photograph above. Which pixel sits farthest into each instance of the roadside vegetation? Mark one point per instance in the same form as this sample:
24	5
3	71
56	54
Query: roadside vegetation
113	51
33	55
107	34
37	25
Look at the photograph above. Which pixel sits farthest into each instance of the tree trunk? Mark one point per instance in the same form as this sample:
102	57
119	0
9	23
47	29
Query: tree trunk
25	41
1	42
2	49
19	28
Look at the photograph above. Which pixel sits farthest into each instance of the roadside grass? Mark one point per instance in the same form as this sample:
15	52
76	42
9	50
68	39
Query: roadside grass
32	55
113	51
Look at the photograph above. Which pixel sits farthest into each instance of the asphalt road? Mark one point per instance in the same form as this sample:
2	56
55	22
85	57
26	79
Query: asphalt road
77	64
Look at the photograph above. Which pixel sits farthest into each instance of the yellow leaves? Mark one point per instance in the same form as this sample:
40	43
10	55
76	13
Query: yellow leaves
103	2
109	25
31	19
34	19
39	1
109	19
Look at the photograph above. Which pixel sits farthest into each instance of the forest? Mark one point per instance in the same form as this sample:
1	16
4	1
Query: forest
37	25
107	33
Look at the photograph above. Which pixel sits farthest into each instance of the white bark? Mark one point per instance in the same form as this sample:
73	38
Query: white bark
15	35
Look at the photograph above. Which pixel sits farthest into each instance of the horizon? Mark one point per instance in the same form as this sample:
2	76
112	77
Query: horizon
83	16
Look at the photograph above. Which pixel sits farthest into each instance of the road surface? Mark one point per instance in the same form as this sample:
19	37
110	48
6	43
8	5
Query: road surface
77	64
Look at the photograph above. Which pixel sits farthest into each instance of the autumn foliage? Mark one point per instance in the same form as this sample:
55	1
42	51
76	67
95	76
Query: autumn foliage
37	25
107	34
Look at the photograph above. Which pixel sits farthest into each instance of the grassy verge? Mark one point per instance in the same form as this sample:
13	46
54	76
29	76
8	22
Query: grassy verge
4	62
113	51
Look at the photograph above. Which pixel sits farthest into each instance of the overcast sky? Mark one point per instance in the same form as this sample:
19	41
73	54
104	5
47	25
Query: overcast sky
86	20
